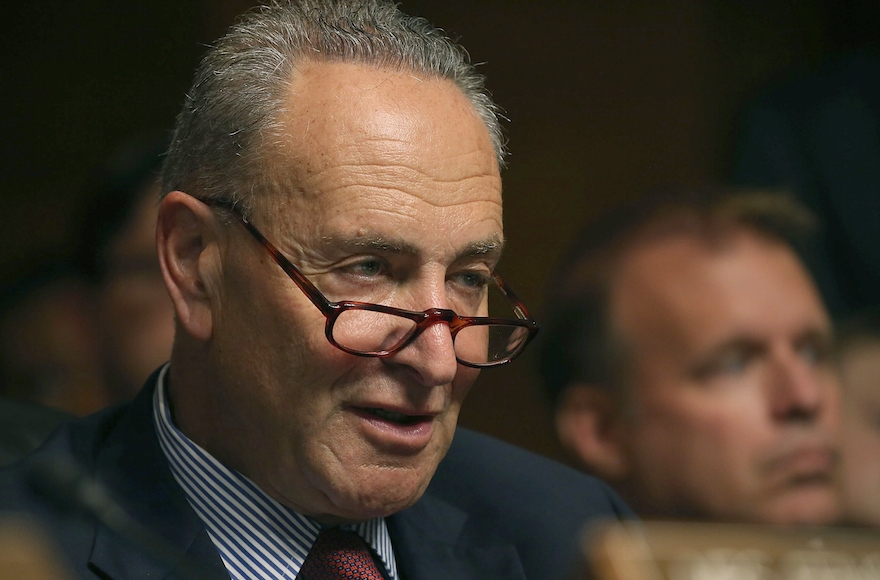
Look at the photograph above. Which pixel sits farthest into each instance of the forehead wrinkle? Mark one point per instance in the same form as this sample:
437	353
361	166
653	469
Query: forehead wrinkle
392	171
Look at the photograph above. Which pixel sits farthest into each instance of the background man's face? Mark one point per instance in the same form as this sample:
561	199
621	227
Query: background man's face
860	431
734	398
396	184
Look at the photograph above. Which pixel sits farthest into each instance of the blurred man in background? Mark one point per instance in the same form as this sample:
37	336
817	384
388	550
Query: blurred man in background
80	332
688	360
132	315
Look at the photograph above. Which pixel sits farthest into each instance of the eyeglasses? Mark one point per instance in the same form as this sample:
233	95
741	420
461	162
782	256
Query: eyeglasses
375	330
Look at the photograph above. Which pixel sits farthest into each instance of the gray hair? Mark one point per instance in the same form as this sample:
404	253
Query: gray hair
233	107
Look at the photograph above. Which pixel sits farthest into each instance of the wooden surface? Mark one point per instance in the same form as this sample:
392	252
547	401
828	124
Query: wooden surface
26	553
691	551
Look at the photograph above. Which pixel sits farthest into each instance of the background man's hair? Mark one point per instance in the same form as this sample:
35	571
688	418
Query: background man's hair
127	178
579	342
232	113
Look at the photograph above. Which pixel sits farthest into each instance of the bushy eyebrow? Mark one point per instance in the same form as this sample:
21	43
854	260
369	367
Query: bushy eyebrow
490	247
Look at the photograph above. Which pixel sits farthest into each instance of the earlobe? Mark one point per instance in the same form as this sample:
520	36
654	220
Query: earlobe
588	425
189	256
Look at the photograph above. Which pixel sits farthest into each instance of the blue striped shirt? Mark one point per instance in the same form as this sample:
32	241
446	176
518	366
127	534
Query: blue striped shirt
257	537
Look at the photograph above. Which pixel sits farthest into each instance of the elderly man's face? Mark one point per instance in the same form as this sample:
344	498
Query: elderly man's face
395	188
734	398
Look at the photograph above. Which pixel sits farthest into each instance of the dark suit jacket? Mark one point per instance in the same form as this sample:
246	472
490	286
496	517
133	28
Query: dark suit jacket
24	426
491	511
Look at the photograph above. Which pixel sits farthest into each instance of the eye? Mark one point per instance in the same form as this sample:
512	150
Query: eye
809	353
367	268
471	281
730	362
814	352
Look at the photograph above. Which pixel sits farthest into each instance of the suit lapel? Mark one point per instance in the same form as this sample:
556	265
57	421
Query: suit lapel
134	469
431	542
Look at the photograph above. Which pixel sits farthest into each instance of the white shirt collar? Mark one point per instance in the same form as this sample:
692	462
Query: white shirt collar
257	537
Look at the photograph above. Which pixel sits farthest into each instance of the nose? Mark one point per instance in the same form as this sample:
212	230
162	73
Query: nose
430	357
800	389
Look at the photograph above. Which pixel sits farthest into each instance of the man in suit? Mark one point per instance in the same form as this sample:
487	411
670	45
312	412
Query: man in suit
328	234
688	360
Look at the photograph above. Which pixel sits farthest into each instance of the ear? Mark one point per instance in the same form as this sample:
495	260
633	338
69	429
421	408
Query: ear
588	425
186	239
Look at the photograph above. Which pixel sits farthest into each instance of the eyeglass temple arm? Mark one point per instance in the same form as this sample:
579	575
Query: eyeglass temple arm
518	307
313	294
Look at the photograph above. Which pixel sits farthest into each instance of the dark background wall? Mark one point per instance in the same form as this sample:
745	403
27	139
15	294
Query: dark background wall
605	100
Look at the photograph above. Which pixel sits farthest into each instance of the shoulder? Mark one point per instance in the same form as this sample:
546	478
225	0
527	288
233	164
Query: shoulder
76	438
491	478
81	440
519	480
24	426
513	497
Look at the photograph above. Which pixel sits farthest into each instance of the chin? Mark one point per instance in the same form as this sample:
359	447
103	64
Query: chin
377	492
812	506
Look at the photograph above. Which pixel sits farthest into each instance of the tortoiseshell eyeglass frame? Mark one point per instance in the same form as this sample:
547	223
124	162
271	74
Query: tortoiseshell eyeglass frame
422	320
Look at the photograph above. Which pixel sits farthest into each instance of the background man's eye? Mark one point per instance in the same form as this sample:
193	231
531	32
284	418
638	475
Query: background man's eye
812	353
729	364
809	353
732	364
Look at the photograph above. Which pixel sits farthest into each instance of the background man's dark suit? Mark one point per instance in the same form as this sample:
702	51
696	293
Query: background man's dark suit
485	514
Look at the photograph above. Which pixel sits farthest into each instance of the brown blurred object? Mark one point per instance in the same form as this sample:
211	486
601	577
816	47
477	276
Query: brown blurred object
691	551
27	554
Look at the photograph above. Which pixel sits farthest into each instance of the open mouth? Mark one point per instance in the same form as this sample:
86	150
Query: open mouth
398	418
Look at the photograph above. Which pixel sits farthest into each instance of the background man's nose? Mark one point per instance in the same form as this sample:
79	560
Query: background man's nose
797	392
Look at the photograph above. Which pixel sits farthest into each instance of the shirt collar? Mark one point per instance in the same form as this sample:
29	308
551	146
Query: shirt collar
256	536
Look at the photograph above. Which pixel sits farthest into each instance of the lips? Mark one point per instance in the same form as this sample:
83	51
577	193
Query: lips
805	466
809	464
394	431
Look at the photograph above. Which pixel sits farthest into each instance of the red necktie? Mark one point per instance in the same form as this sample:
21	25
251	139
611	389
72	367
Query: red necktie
339	555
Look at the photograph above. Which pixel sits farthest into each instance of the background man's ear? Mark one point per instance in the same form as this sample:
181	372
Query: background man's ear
588	425
186	239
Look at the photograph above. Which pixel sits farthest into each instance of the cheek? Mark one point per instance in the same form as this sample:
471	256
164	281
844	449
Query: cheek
279	351
461	385
700	431
860	451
